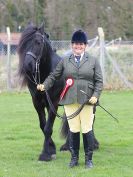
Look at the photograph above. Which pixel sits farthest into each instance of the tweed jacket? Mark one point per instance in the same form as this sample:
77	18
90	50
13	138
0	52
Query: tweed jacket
87	76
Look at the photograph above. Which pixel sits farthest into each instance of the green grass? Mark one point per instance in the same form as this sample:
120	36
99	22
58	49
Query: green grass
21	140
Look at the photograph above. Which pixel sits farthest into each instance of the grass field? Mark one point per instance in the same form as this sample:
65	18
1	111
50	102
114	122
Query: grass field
21	140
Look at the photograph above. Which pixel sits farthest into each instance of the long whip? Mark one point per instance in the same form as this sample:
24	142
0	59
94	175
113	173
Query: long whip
98	104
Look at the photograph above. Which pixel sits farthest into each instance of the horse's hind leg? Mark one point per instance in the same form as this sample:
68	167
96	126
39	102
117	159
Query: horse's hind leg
65	134
96	143
65	146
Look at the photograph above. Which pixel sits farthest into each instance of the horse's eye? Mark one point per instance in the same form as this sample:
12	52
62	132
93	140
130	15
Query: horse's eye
38	42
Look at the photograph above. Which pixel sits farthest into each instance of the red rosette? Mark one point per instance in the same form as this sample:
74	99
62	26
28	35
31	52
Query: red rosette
69	83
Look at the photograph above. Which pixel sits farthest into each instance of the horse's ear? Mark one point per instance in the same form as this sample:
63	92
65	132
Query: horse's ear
47	35
41	28
30	23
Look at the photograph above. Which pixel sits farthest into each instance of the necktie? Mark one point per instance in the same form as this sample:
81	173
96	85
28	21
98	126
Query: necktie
78	59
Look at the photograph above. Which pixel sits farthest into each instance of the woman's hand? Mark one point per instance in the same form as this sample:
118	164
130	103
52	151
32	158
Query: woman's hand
93	100
40	87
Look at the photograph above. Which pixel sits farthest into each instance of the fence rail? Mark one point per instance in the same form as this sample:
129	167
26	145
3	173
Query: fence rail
116	58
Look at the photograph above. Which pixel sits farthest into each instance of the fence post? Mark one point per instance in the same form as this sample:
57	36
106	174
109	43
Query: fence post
8	59
102	52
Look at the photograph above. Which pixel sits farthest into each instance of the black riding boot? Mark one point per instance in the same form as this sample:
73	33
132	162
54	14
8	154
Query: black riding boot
88	141
74	142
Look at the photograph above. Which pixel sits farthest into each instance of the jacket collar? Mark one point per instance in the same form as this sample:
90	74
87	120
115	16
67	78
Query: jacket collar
84	59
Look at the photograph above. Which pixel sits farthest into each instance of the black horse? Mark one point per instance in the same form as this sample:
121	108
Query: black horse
36	61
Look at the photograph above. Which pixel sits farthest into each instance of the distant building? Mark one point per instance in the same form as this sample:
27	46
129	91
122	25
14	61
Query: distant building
4	41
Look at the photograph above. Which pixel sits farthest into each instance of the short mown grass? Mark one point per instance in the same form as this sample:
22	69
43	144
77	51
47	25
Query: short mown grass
21	140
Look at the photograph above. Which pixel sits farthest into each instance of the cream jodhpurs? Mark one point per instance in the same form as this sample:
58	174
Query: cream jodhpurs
83	121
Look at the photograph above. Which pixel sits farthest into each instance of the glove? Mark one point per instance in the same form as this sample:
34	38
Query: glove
40	87
93	100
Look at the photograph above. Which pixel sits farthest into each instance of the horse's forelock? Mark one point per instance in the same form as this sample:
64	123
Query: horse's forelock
26	36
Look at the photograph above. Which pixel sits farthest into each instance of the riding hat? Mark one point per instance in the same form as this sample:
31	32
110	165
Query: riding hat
79	36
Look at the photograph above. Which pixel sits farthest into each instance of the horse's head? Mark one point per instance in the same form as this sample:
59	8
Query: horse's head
34	48
39	43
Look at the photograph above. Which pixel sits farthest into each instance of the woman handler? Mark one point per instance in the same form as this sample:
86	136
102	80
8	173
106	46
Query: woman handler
85	73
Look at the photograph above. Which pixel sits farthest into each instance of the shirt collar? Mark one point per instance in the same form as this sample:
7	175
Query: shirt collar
82	54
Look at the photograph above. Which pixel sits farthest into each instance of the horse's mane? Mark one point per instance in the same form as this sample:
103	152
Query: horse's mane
23	46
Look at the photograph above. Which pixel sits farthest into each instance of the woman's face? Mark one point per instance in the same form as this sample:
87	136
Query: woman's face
78	48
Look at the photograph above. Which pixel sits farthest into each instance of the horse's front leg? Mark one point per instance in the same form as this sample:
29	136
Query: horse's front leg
39	106
46	151
45	154
49	145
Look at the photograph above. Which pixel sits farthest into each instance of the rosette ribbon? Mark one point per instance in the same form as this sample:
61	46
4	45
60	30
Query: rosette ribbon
69	83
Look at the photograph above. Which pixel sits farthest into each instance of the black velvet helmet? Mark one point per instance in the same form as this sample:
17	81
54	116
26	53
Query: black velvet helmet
79	36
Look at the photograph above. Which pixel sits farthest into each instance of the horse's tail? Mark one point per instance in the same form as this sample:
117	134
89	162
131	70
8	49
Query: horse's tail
64	128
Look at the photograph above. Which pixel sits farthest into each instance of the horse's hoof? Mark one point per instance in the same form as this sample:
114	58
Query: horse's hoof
96	146
53	156
44	157
64	148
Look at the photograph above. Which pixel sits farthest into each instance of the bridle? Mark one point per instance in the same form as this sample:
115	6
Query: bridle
36	79
37	70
